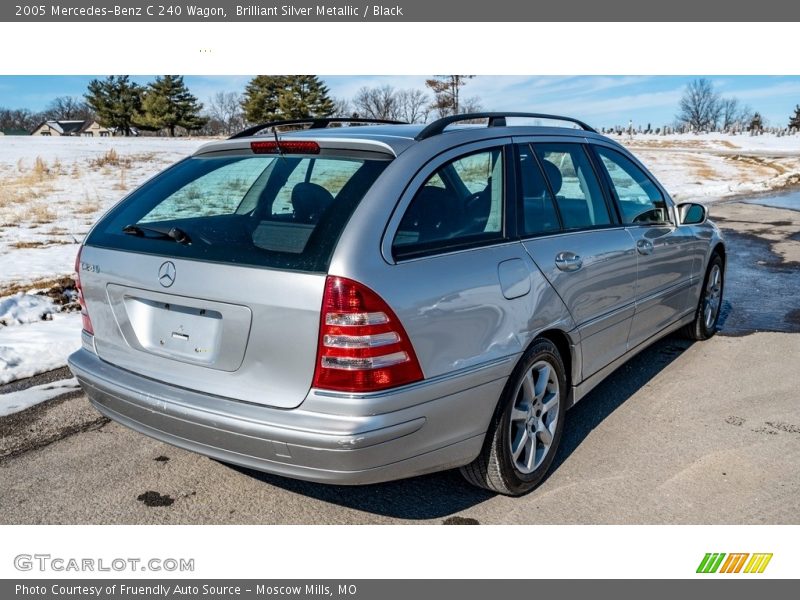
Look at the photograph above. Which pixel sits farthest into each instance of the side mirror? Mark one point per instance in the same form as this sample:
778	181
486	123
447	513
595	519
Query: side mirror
691	213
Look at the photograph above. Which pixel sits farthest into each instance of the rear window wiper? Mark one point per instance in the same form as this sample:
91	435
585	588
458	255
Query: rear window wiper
170	233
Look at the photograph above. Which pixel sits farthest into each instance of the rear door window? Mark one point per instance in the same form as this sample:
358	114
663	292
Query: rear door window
460	204
573	182
274	211
538	206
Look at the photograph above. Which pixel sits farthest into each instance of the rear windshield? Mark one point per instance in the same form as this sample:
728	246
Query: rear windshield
283	212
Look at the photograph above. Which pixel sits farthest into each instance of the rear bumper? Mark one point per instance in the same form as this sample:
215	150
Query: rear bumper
444	430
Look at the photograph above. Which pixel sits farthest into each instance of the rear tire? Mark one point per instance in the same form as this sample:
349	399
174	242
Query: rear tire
526	429
706	316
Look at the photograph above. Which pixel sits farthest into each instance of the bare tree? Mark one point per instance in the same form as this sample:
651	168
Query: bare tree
700	106
733	114
68	108
225	109
471	105
342	108
19	118
377	103
446	91
413	105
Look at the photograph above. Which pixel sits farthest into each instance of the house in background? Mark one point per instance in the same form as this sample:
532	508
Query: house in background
87	128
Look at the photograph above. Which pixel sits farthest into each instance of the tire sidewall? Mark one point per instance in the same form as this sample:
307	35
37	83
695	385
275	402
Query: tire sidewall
515	481
707	332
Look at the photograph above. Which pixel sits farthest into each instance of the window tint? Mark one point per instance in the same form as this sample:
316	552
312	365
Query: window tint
538	211
572	179
217	192
639	198
330	174
461	203
284	212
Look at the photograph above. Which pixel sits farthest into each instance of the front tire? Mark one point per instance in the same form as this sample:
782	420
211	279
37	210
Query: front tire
708	308
526	430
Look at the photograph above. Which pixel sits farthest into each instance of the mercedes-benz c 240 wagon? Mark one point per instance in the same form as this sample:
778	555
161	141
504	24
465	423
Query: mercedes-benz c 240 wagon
353	304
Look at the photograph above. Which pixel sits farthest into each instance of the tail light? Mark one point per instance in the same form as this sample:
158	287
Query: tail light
362	345
87	322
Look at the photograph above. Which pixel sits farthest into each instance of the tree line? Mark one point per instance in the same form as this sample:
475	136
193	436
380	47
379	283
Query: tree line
167	106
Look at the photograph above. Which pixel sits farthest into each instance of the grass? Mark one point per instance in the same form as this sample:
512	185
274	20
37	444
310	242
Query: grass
29	184
87	207
41	214
110	159
49	283
121	184
24	244
36	192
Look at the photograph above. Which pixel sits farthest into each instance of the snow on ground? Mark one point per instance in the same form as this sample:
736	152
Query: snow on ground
53	189
17	401
710	166
33	348
22	308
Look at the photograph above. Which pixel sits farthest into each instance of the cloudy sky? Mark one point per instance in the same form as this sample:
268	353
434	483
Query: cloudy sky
602	101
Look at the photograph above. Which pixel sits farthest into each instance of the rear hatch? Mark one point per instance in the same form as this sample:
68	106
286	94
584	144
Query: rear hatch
211	275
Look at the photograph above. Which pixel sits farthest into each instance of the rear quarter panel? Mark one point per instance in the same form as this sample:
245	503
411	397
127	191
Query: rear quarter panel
451	305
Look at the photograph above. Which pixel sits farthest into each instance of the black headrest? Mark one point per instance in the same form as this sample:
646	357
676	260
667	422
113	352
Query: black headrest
532	181
553	175
432	193
309	201
436	212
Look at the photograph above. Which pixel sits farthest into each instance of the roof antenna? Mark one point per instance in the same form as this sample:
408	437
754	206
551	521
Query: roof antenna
278	143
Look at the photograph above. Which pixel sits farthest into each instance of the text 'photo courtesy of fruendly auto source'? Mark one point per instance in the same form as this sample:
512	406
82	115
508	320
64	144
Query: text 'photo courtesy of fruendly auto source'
459	299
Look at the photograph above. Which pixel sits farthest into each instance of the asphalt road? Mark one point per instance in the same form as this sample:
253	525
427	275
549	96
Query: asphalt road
684	433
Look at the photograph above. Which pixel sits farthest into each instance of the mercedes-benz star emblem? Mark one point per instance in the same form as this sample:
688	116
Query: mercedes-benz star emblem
166	274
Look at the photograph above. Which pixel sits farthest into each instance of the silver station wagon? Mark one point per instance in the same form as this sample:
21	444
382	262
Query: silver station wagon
349	302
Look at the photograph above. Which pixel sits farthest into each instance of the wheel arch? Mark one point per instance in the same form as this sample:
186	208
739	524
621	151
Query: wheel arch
565	347
719	248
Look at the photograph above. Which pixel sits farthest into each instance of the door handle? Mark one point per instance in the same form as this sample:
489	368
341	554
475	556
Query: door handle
568	261
644	247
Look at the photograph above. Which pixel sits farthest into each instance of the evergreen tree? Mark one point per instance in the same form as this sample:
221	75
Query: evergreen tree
261	98
115	100
305	96
794	121
168	104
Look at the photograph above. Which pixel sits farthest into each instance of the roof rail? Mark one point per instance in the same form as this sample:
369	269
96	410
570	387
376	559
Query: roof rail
496	119
313	123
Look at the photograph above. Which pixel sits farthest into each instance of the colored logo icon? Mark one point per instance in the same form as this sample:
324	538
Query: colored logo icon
719	562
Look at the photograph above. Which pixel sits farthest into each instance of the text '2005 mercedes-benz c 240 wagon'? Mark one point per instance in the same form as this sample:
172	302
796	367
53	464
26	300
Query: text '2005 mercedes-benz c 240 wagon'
354	304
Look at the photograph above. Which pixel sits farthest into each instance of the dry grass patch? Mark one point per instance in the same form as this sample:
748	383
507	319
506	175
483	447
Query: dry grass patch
121	185
143	157
29	184
24	244
11	195
110	159
86	207
49	283
41	214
